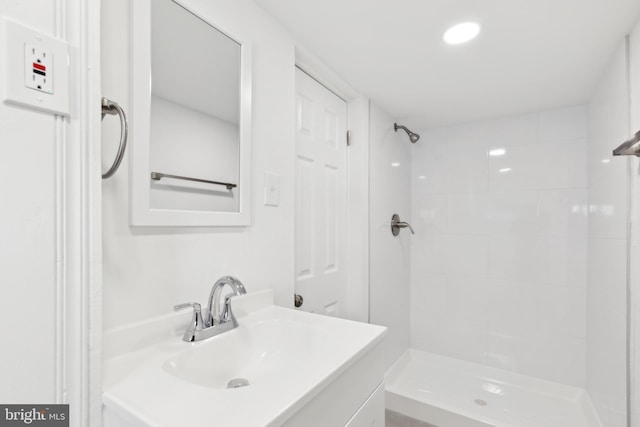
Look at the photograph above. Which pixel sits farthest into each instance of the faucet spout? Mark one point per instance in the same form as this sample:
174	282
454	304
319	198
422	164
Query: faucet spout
214	315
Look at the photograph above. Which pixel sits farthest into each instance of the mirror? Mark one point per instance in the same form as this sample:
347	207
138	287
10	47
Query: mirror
191	120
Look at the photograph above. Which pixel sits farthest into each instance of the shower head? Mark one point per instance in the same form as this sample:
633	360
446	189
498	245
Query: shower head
413	137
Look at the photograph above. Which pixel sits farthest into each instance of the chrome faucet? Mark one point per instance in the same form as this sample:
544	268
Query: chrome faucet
215	321
213	314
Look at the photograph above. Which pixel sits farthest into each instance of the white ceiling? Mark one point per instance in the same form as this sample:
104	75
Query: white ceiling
531	55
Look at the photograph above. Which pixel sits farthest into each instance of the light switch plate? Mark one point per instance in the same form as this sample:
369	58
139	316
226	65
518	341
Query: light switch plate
271	189
27	82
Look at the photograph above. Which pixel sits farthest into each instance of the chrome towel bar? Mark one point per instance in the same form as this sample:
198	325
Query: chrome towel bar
112	108
157	176
630	147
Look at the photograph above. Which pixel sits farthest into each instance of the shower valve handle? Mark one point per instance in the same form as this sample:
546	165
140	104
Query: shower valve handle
403	224
396	225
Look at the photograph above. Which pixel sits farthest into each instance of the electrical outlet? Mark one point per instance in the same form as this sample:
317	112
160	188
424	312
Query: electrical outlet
28	60
38	69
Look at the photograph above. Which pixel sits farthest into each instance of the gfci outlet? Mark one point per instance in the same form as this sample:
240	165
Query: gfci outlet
38	69
35	69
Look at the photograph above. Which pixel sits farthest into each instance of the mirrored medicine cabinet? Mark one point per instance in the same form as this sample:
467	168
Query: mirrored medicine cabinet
191	119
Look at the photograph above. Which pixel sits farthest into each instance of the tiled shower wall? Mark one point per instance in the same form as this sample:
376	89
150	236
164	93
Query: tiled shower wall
607	285
499	259
389	178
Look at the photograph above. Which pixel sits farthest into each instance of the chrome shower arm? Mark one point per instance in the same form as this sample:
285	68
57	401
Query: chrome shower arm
397	126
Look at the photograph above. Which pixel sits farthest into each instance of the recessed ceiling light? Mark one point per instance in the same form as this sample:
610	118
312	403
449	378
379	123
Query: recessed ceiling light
496	152
395	164
461	33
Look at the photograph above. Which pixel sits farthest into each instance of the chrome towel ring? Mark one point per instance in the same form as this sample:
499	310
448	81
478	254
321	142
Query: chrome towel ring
112	108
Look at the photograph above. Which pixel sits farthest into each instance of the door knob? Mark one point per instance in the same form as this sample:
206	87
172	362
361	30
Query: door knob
298	300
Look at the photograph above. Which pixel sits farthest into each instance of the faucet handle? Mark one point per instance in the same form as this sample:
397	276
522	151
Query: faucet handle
196	307
196	321
227	312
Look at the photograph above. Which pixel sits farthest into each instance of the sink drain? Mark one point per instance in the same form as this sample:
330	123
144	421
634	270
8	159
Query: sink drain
237	383
480	402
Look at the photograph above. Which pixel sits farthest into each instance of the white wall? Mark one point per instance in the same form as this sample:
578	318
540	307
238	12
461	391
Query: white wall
148	270
634	300
358	211
28	237
498	267
608	192
187	142
49	250
389	193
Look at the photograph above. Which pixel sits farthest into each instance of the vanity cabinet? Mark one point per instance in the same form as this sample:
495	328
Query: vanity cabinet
354	399
371	414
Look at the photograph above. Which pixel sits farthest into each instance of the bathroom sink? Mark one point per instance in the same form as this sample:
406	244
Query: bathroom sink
265	372
260	353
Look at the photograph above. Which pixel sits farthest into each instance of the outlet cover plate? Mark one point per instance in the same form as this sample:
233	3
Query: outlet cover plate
18	41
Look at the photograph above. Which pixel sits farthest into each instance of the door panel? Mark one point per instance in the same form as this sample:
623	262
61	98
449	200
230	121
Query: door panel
304	218
321	208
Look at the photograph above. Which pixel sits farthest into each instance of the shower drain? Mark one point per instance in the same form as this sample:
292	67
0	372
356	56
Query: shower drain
480	402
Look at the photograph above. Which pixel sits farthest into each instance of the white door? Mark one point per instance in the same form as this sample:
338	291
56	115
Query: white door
321	197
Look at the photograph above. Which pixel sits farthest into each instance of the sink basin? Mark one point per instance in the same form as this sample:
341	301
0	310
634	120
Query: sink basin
261	353
279	359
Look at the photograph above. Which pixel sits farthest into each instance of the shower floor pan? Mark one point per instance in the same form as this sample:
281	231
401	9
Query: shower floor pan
446	392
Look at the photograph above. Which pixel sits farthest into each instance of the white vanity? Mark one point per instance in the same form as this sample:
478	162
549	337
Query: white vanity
302	370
